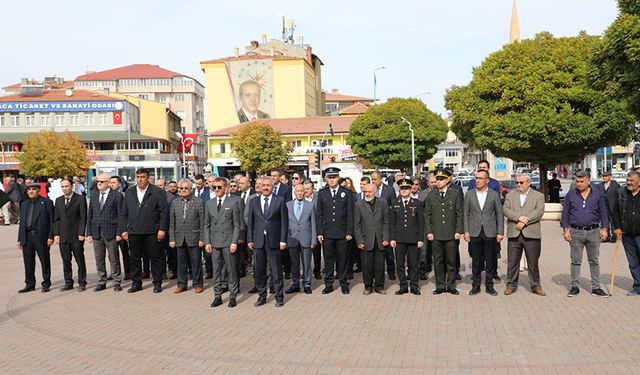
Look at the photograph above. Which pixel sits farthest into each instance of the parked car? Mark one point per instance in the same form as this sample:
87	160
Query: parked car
463	183
505	187
619	176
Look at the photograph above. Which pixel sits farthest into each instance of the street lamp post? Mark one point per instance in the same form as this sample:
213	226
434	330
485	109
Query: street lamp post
184	161
375	82
413	146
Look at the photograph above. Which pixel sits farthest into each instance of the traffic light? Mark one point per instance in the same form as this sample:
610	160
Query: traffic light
318	154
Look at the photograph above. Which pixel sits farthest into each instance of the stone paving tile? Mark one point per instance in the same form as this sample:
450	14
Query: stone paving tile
116	333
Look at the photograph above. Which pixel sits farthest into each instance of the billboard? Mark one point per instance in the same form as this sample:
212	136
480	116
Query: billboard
71	106
252	86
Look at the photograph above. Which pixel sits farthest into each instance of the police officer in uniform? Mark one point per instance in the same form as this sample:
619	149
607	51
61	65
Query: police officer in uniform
334	222
406	223
443	224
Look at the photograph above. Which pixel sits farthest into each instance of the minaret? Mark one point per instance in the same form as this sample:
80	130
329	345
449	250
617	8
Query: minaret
514	30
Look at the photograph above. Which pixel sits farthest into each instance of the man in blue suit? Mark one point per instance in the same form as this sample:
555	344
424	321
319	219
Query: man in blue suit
267	225
35	236
301	238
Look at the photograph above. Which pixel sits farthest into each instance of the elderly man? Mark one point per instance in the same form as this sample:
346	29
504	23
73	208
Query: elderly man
301	239
585	223
626	221
371	229
523	209
186	232
609	189
249	95
116	186
387	193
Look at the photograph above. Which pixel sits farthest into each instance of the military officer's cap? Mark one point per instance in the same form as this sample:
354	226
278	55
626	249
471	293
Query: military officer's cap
332	172
405	183
443	173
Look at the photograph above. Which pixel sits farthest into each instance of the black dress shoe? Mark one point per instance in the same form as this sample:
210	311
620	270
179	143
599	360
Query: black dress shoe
232	302
474	291
261	301
307	290
224	289
317	276
99	287
453	291
392	277
292	290
157	288
497	277
327	290
117	288
350	275
492	291
279	303
45	289
345	290
253	290
216	302
27	289
439	291
415	292
401	292
82	287
287	276
66	287
134	288
423	276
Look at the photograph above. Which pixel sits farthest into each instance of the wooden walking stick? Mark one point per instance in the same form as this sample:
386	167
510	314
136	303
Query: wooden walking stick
613	273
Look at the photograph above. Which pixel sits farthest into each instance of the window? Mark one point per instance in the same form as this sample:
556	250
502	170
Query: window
88	120
161	98
58	120
74	120
451	153
223	148
2	120
102	120
30	119
15	120
178	97
329	142
297	143
329	107
44	120
143	96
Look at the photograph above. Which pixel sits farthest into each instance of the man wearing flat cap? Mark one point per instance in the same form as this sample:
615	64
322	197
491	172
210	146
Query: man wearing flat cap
35	236
334	221
609	189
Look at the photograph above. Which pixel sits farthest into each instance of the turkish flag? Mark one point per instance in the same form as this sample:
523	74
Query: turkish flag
16	147
117	118
189	140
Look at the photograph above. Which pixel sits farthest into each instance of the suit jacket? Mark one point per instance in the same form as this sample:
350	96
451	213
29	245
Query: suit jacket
533	209
334	215
238	193
189	228
42	221
284	191
371	226
14	191
422	195
206	194
147	217
443	217
301	232
70	222
222	228
388	193
104	222
275	224
610	194
488	218
406	225
243	118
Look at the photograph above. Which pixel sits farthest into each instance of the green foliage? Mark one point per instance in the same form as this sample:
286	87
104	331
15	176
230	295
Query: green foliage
381	136
260	148
531	102
53	154
615	66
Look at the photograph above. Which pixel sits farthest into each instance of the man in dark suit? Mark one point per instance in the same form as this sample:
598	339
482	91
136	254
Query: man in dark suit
186	235
609	189
267	225
334	221
144	222
115	185
102	229
35	236
12	209
284	191
387	193
371	229
406	229
222	226
200	189
244	192
301	239
69	222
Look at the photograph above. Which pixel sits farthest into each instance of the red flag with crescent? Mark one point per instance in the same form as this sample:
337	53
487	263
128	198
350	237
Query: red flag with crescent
117	118
189	140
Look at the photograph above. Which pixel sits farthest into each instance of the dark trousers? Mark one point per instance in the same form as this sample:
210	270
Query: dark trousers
531	248
208	263
373	267
407	254
29	251
317	259
272	258
126	263
426	258
186	256
141	245
483	256
444	263
286	261
391	261
335	255
242	259
554	196
172	260
76	250
632	249
353	257
145	262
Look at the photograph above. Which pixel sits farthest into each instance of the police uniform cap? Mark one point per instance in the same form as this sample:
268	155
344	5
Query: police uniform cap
405	183
332	171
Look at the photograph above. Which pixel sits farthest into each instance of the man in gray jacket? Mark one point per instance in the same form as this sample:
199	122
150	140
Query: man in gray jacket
301	238
483	229
223	218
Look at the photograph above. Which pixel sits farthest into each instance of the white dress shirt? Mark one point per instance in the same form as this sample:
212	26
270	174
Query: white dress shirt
141	193
482	197
523	198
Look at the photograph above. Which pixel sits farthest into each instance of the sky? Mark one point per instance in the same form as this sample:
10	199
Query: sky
426	45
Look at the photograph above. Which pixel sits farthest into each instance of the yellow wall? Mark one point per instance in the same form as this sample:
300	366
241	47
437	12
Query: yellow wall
214	143
220	103
154	121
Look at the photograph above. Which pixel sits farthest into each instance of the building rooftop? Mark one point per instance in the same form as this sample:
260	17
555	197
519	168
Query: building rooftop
335	97
47	85
354	109
252	57
130	71
59	96
85	136
301	125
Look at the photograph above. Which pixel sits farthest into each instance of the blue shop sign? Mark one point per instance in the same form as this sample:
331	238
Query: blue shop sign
77	106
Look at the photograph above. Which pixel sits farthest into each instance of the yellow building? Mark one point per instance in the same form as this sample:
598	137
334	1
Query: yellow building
156	120
287	78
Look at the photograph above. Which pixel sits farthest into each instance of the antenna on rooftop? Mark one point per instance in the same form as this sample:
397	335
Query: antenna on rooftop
288	27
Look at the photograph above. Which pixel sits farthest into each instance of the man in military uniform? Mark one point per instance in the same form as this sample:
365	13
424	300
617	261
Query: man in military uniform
443	224
334	221
406	227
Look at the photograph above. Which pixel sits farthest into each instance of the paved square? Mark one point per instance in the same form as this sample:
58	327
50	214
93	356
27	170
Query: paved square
120	333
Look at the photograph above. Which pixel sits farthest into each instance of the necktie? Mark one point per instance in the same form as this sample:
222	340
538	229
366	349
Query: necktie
266	206
219	204
275	190
333	193
243	194
66	201
101	200
442	194
405	204
379	192
198	191
298	210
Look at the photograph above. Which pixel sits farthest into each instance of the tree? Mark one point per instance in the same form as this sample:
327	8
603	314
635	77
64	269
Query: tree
382	137
53	154
531	102
260	148
615	66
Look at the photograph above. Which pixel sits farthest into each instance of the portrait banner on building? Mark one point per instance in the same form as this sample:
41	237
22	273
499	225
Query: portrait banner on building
252	86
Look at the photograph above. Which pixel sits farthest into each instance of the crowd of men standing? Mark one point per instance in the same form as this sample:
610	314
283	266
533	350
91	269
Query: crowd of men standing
283	229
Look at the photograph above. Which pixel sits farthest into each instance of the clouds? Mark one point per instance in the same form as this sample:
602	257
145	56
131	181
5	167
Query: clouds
428	45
